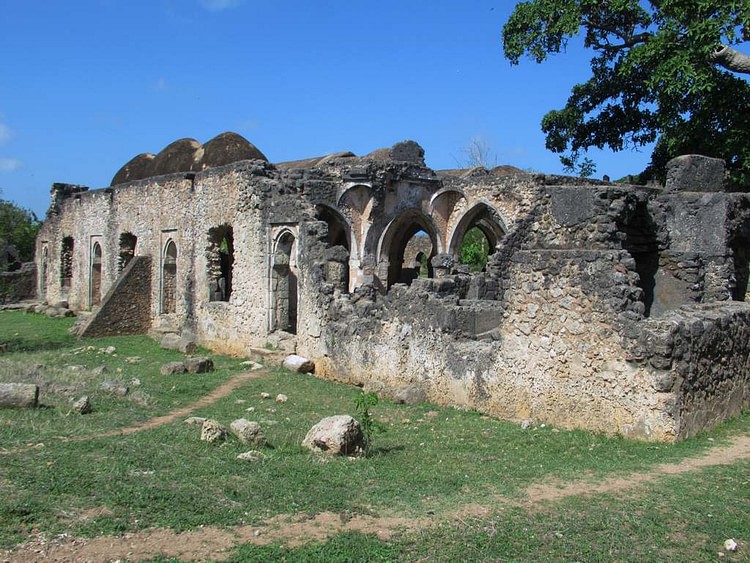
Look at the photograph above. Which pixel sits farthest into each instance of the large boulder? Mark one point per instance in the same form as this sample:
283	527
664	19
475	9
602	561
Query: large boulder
299	364
340	434
199	364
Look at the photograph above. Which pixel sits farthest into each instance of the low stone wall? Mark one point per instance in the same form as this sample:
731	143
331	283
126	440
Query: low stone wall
19	285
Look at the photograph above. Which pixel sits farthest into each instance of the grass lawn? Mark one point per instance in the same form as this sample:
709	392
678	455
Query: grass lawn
430	462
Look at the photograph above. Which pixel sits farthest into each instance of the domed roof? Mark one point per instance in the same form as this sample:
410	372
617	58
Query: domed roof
137	168
188	155
227	148
179	156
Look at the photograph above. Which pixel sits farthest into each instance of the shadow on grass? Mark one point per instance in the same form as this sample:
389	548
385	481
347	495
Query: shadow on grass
25	345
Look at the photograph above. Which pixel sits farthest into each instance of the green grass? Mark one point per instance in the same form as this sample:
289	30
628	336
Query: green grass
429	460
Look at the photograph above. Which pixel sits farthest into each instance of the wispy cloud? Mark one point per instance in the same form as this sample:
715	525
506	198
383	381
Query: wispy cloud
10	164
5	133
219	5
161	85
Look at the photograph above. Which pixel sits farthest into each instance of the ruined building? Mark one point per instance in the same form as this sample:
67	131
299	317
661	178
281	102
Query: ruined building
611	307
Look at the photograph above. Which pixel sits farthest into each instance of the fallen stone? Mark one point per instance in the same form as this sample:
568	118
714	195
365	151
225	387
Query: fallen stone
195	420
248	432
251	365
199	364
185	343
115	387
173	368
334	435
251	456
133	360
83	405
409	395
212	431
101	370
19	395
109	350
526	424
281	398
265	395
299	364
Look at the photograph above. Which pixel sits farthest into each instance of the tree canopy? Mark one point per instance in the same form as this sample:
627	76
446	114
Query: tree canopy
18	229
663	71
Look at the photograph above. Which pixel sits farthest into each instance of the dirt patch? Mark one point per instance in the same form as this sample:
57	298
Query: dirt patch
293	530
737	449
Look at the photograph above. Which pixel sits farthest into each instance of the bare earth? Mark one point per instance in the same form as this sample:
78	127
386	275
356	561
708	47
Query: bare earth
292	530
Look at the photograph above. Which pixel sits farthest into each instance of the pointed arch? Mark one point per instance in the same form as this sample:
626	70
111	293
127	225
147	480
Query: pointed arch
169	278
484	217
394	241
284	292
95	277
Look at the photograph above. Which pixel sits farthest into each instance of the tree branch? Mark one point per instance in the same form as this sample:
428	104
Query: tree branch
731	59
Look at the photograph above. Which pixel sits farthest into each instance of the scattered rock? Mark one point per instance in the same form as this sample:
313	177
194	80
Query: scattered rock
76	368
526	424
135	382
252	456
173	368
431	414
340	434
730	545
265	395
299	364
199	364
83	405
195	420
409	395
248	432
19	395
133	360
101	370
115	387
281	398
185	343
212	431
109	350
251	365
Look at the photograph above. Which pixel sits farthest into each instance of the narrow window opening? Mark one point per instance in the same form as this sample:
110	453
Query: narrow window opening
66	262
169	279
220	262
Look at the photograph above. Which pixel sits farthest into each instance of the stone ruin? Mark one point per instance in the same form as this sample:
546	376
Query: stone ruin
612	307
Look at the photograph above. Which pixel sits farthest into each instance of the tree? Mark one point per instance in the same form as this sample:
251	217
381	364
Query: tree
478	152
18	230
662	72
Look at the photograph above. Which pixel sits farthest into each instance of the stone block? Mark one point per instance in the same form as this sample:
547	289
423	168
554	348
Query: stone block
695	173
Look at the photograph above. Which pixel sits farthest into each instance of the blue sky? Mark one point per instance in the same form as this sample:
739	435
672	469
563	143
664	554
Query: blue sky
87	85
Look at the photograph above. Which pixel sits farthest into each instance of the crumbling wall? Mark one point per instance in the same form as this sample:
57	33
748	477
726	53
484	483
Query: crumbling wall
18	285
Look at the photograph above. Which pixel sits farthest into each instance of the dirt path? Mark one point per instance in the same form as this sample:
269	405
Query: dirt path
292	530
220	392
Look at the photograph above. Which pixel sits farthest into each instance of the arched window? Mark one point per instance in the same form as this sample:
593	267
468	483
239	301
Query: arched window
66	262
410	230
339	240
169	279
284	284
220	262
476	236
127	250
95	280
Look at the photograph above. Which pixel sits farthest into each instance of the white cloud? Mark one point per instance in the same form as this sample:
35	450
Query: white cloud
219	5
5	133
10	164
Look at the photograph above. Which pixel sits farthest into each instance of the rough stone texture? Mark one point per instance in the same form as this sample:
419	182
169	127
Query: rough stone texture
212	431
184	343
248	432
409	395
563	325
695	173
115	387
19	395
298	364
83	405
173	368
199	364
340	434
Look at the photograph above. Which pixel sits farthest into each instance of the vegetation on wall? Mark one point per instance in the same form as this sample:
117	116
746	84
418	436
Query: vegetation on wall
474	249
